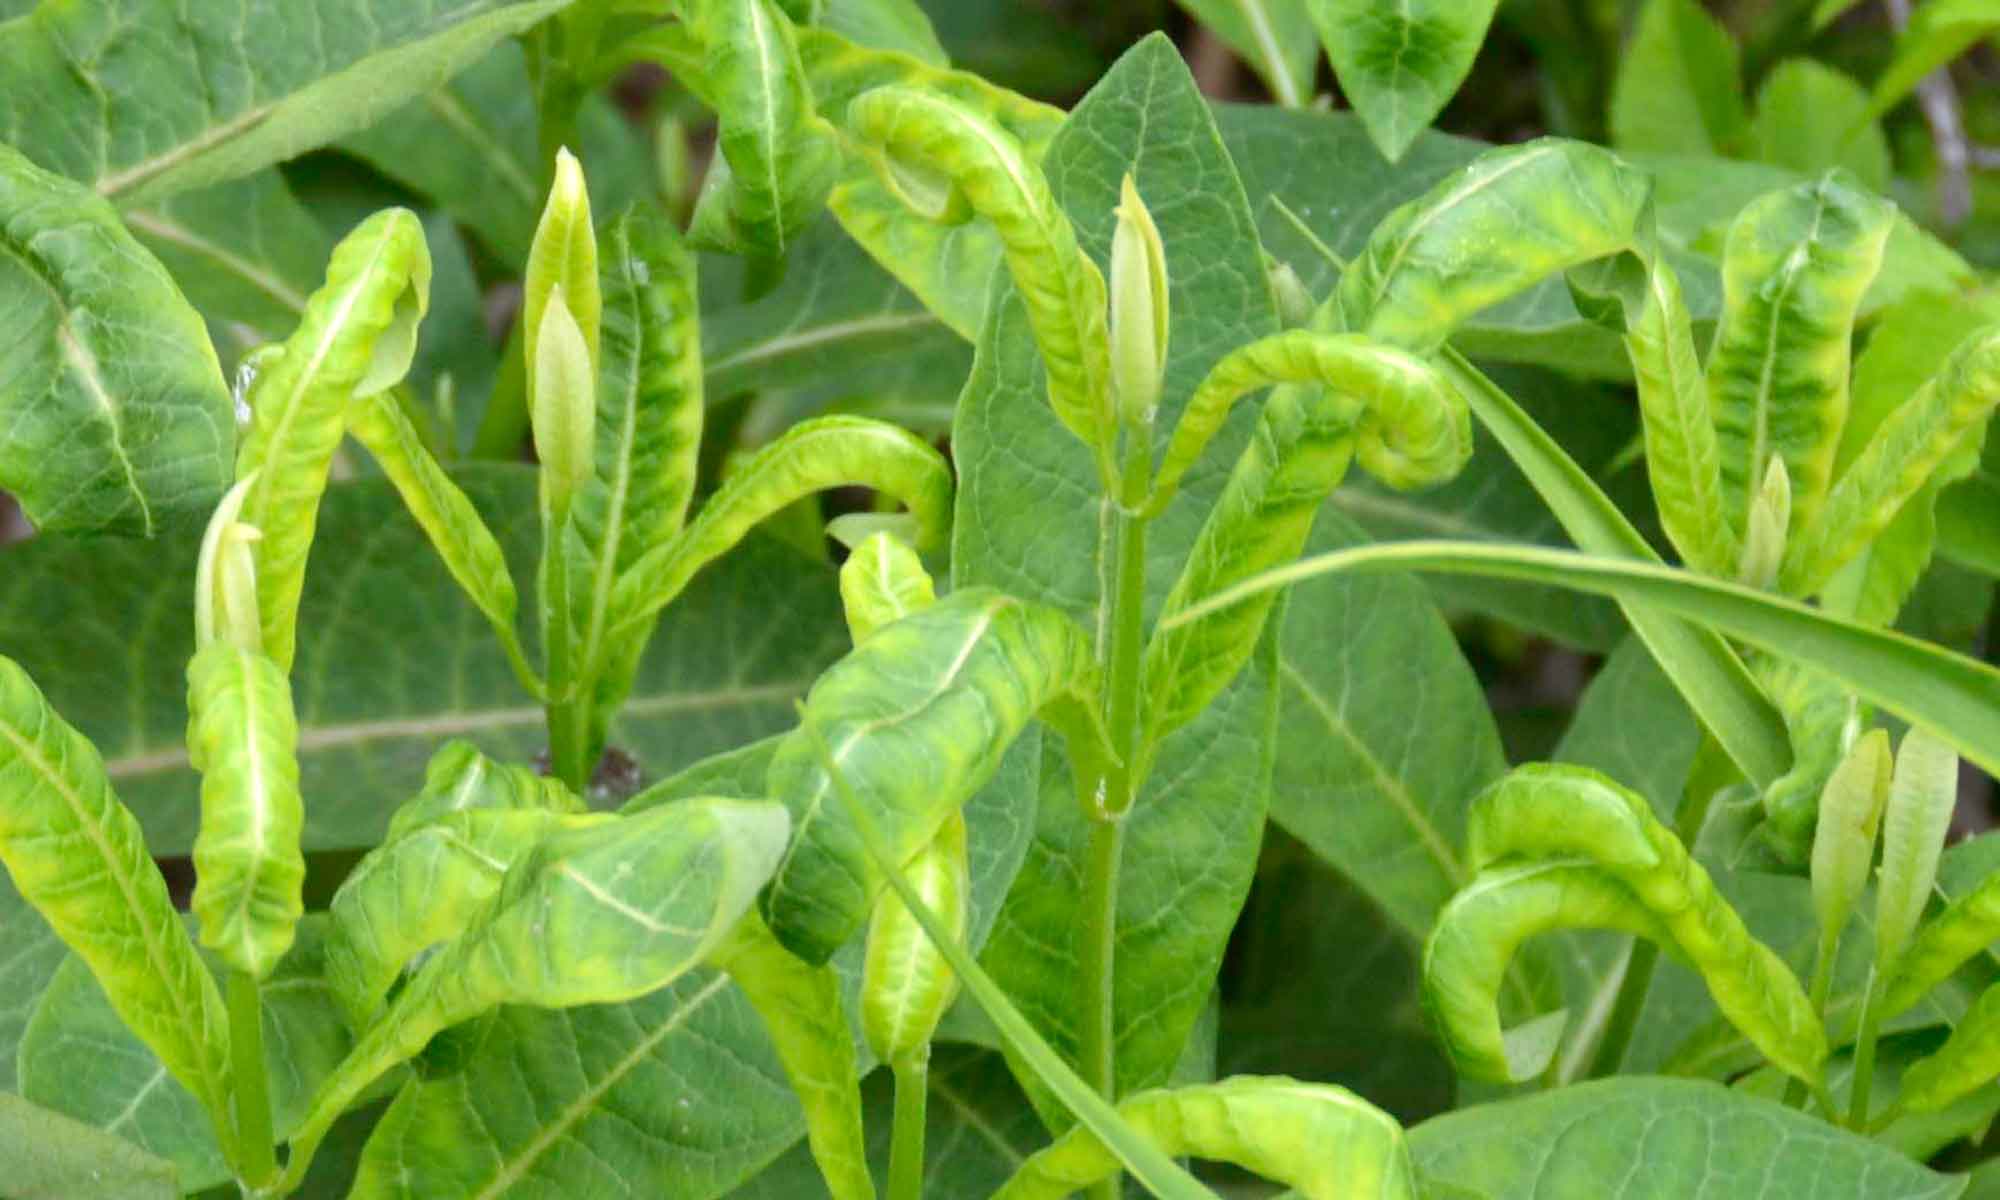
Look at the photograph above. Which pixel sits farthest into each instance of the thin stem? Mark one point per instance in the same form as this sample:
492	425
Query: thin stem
1864	1055
257	1162
569	700
1126	637
906	1147
1822	991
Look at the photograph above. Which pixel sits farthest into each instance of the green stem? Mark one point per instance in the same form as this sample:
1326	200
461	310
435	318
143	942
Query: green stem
1122	703
256	1159
906	1147
1822	990
1638	981
1864	1055
569	701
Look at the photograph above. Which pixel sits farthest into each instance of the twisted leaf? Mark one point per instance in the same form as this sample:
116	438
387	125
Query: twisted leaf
1683	459
917	718
881	582
1909	447
249	870
781	155
802	1010
906	985
593	915
453	526
1508	219
1794	268
422	887
1406	419
461	779
811	456
356	338
76	854
981	164
1324	1141
113	412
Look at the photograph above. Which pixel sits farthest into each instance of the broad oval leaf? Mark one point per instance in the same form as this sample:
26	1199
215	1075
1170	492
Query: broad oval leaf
48	1154
1398	64
161	100
1324	1141
76	854
113	413
918	718
356	338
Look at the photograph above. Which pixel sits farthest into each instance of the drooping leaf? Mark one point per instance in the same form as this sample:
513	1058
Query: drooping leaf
1398	64
158	101
1806	119
50	1155
356	338
1274	36
1685	1137
374	699
76	854
113	413
1679	89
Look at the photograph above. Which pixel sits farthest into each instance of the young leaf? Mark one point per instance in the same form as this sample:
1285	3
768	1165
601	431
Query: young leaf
1509	219
594	915
905	984
881	582
1764	533
918	719
1679	89
249	871
460	779
1921	799
113	413
562	258
564	410
356	338
1943	944
422	887
1683	462
804	1013
1399	64
450	522
1969	1059
1793	272
781	154
1061	287
160	101
1324	1141
1908	448
77	856
1850	811
809	457
1139	312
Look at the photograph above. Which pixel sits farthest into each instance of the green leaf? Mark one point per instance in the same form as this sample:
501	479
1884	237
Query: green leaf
1274	36
30	952
356	338
1683	456
898	25
75	853
374	700
1953	697
1399	64
1024	483
48	1156
1939	31
1323	1140
780	154
966	673
79	1058
469	147
575	923
223	94
1679	89
1680	1137
1793	272
112	403
1807	119
246	252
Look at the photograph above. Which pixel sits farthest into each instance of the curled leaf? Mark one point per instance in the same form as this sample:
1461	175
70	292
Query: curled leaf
917	718
1850	813
1060	287
249	870
1138	326
461	779
356	338
1323	1141
882	581
906	986
76	854
1945	943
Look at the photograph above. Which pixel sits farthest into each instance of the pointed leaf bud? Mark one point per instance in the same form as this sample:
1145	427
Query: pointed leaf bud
1922	794
1138	309
564	404
1295	303
1764	539
225	576
564	255
1850	813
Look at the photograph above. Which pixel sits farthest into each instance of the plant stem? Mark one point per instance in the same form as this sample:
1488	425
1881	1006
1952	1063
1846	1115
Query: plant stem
1126	636
1864	1055
906	1147
1638	981
569	702
257	1162
1822	990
